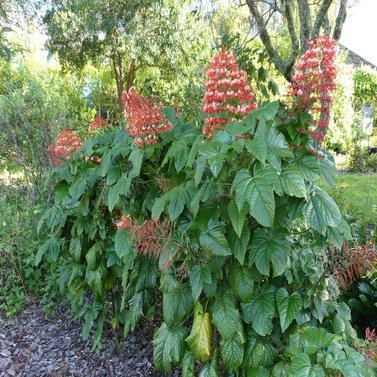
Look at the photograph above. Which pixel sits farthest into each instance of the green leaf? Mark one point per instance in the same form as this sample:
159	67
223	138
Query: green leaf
301	366
277	147
75	249
178	152
201	163
257	191
288	307
237	217
78	188
306	167
316	338
177	305
328	169
214	239
136	157
258	372
51	247
121	187
270	245
188	365
159	206
241	281
321	210
293	184
258	146
232	351
168	347
239	245
122	243
61	191
199	339
226	317
198	277
91	255
210	369
260	311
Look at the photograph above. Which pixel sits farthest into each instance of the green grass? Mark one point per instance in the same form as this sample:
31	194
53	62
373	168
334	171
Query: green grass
358	193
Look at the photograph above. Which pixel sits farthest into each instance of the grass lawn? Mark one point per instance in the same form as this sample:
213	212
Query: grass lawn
358	192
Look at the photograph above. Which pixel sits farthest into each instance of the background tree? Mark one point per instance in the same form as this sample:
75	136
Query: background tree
303	20
126	35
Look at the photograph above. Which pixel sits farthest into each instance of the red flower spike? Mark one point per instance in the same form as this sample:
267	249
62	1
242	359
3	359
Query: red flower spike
144	119
228	95
314	81
97	123
66	143
150	237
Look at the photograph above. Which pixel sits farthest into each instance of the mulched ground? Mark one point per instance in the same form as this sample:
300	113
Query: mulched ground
35	345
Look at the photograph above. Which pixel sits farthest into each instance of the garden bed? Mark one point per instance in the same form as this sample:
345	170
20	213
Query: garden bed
33	344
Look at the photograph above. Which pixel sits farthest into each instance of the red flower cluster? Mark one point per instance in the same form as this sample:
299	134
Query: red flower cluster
144	119
150	237
350	264
228	95
314	81
97	123
66	143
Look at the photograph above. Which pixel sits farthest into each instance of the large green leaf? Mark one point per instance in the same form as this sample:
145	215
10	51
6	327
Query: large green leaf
226	317
270	245
210	369
198	277
293	184
237	217
316	338
232	351
258	372
306	167
178	152
241	281
188	365
75	249
120	188
168	347
257	192
321	210
78	188
122	243
277	147
177	304
239	245
301	367
260	311
214	240
258	146
288	307
199	339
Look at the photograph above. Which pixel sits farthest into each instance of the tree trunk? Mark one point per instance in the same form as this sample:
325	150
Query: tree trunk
117	66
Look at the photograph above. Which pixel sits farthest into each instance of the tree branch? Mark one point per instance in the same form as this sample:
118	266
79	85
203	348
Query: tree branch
305	26
289	63
320	17
342	14
266	39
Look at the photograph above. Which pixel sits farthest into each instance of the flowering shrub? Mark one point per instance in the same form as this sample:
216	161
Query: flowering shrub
228	95
66	143
97	123
244	290
314	81
144	119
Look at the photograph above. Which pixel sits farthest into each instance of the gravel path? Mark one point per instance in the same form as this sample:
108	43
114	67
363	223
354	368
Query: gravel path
35	345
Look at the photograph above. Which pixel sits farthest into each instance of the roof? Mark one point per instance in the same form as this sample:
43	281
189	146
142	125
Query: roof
355	59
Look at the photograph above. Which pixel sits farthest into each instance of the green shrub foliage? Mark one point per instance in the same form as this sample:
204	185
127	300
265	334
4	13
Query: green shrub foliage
241	272
229	231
